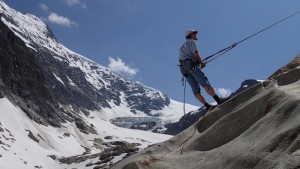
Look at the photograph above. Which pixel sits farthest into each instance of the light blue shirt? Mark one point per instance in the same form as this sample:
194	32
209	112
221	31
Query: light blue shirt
188	49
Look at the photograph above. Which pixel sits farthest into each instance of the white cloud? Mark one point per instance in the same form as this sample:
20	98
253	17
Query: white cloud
61	20
76	2
222	92
118	66
44	7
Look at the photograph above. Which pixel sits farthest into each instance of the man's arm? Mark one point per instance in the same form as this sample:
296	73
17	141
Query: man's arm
198	58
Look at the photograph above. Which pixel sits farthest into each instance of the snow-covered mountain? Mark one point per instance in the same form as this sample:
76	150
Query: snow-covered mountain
76	83
56	106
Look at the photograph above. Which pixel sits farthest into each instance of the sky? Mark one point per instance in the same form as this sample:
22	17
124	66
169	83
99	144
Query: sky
140	39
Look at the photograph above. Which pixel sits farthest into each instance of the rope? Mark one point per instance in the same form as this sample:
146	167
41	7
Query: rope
187	139
184	87
196	127
221	52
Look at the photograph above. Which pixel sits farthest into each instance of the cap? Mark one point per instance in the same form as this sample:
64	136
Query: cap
189	31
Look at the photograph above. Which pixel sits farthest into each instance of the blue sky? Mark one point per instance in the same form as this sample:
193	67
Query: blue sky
141	38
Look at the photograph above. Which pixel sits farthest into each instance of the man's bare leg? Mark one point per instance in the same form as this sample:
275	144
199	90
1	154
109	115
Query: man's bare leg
200	98
212	93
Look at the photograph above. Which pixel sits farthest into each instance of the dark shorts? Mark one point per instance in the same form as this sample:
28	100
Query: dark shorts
195	78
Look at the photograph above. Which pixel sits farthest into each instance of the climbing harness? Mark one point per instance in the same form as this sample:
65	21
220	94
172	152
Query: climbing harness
192	63
221	52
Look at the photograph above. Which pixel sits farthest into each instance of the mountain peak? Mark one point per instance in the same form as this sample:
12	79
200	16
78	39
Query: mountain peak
28	27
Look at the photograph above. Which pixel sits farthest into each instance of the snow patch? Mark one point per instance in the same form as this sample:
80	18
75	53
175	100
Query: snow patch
59	79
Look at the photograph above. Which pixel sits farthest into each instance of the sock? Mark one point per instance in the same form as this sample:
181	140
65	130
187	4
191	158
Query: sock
207	105
217	99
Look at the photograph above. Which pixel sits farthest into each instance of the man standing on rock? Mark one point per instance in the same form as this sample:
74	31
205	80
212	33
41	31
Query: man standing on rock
191	65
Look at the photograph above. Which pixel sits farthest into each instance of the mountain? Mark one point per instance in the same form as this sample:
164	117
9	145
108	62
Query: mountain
56	106
66	82
257	128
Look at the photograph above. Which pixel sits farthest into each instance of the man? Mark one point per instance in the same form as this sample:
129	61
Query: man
191	65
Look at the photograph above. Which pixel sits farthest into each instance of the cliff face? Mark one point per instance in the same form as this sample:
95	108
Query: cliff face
258	128
193	116
24	81
288	73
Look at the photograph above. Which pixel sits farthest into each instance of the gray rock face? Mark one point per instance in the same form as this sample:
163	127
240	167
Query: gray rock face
258	128
23	80
1	88
192	117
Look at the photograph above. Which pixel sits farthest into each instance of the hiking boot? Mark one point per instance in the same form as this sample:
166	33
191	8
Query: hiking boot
210	108
222	100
